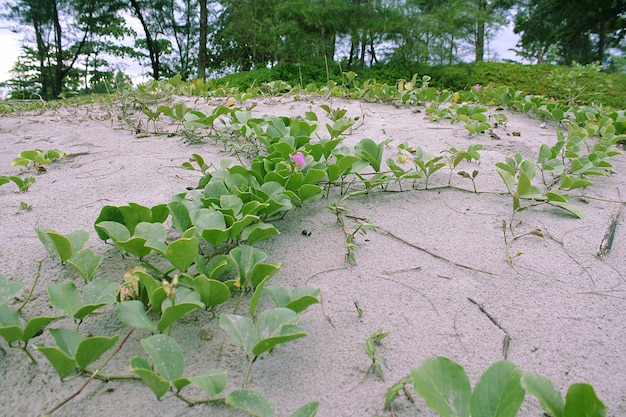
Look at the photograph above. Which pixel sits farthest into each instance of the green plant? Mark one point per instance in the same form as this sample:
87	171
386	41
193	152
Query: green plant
23	184
499	392
270	329
72	351
371	345
36	157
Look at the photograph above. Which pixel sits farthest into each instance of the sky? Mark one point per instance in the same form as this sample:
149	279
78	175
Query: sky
10	48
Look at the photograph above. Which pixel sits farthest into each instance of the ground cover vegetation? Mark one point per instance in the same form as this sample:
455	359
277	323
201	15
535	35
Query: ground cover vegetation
206	253
71	46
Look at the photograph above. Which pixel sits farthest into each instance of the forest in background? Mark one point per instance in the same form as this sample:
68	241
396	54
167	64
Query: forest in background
71	46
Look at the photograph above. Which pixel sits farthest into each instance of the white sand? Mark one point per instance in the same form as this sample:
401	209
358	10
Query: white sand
563	308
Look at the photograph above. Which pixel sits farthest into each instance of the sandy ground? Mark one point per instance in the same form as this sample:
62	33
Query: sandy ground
562	307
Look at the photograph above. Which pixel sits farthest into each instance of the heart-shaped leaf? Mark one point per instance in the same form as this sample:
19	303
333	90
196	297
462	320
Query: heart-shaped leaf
212	292
182	253
251	402
86	263
213	383
444	385
581	401
549	397
307	410
240	329
142	368
91	348
166	355
8	290
499	392
132	313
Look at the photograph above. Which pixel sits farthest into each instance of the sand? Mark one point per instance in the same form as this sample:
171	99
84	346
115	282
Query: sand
435	274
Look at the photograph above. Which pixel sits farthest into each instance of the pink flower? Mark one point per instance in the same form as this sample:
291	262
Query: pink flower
478	87
543	125
298	159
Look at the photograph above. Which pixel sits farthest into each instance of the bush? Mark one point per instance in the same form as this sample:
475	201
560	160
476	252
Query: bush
582	84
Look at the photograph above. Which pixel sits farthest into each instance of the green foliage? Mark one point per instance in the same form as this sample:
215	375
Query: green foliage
444	385
371	344
73	351
34	157
500	391
272	328
65	297
298	300
13	329
9	290
23	184
166	371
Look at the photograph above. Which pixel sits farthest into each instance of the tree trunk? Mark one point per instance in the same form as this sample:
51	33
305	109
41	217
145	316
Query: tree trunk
202	55
58	45
480	31
41	54
153	47
601	41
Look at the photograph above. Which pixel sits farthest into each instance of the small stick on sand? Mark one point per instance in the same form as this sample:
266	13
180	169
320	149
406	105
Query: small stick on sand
607	241
507	338
434	255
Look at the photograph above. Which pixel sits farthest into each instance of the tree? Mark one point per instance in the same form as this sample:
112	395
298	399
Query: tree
576	30
59	46
487	16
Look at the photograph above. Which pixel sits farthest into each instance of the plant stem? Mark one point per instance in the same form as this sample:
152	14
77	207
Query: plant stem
191	402
247	377
32	288
91	377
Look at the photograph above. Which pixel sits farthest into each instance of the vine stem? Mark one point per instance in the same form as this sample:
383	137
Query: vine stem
91	377
191	402
32	288
247	377
431	253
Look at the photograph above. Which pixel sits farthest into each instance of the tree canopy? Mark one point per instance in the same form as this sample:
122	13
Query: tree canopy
70	44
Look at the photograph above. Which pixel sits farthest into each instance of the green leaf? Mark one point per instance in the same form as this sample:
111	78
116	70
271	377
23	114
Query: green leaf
86	263
77	239
180	215
182	253
251	402
307	410
171	313
63	364
370	152
10	326
91	348
581	401
258	232
142	368
275	327
212	383
8	290
499	392
56	244
570	208
34	326
444	385
166	354
549	397
240	329
256	296
132	313
65	297
212	292
67	340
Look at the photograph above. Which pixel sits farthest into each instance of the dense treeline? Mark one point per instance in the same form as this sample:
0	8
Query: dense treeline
71	45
